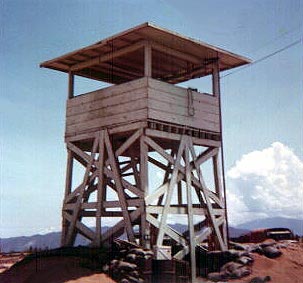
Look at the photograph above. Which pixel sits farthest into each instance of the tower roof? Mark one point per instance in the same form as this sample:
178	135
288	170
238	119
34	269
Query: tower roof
120	58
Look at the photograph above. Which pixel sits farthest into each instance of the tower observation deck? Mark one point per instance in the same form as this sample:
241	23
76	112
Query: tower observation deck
140	129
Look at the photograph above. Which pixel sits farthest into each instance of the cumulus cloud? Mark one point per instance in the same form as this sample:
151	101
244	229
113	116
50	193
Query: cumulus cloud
266	183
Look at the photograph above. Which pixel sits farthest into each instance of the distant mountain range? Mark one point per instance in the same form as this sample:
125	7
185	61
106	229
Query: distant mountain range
52	240
276	222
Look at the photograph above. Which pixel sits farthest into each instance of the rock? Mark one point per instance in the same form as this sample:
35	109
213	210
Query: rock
260	279
134	279
215	276
126	266
256	249
271	252
238	246
230	267
138	251
245	260
235	270
134	273
240	272
267	243
131	257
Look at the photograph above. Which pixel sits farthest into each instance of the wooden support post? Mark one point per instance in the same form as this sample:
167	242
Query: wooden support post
68	187
145	229
192	241
216	79
147	60
172	183
217	93
117	179
70	85
217	177
100	190
70	237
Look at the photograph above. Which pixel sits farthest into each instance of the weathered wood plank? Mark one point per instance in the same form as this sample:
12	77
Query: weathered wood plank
190	121
120	191
171	107
162	87
203	103
107	112
121	118
107	92
177	137
101	102
172	183
107	57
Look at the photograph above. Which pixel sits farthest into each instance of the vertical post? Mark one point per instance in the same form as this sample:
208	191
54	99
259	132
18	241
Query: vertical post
216	79
192	241
100	191
217	93
145	229
70	85
68	187
147	60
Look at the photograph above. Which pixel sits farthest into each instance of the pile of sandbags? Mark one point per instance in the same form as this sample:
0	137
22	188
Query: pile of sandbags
236	265
268	248
129	265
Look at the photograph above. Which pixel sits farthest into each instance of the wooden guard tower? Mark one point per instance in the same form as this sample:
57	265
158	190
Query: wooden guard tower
143	121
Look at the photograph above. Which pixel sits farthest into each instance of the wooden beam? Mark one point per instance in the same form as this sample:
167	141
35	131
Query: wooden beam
159	149
172	184
211	214
180	55
217	177
107	56
147	59
100	191
71	229
120	191
144	229
167	230
192	243
177	137
120	225
70	85
216	79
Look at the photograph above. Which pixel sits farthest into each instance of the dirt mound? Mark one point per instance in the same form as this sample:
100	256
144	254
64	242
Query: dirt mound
60	265
286	268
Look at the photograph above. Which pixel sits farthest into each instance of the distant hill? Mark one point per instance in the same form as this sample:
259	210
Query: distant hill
47	241
237	232
52	240
276	222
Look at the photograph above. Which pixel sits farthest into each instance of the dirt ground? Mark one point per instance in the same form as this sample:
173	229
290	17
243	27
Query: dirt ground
287	268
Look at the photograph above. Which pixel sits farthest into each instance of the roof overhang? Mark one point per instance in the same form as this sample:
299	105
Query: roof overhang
120	58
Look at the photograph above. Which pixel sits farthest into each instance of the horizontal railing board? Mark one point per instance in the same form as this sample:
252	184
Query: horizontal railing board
102	102
180	91
122	118
182	101
182	110
106	112
107	92
190	121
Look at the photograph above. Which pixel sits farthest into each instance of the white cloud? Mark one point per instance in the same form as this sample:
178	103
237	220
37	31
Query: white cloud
266	183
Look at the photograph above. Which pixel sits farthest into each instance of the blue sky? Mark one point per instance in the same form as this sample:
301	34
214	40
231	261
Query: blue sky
262	104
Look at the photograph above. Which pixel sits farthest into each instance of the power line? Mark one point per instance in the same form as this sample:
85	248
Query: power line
265	57
288	32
